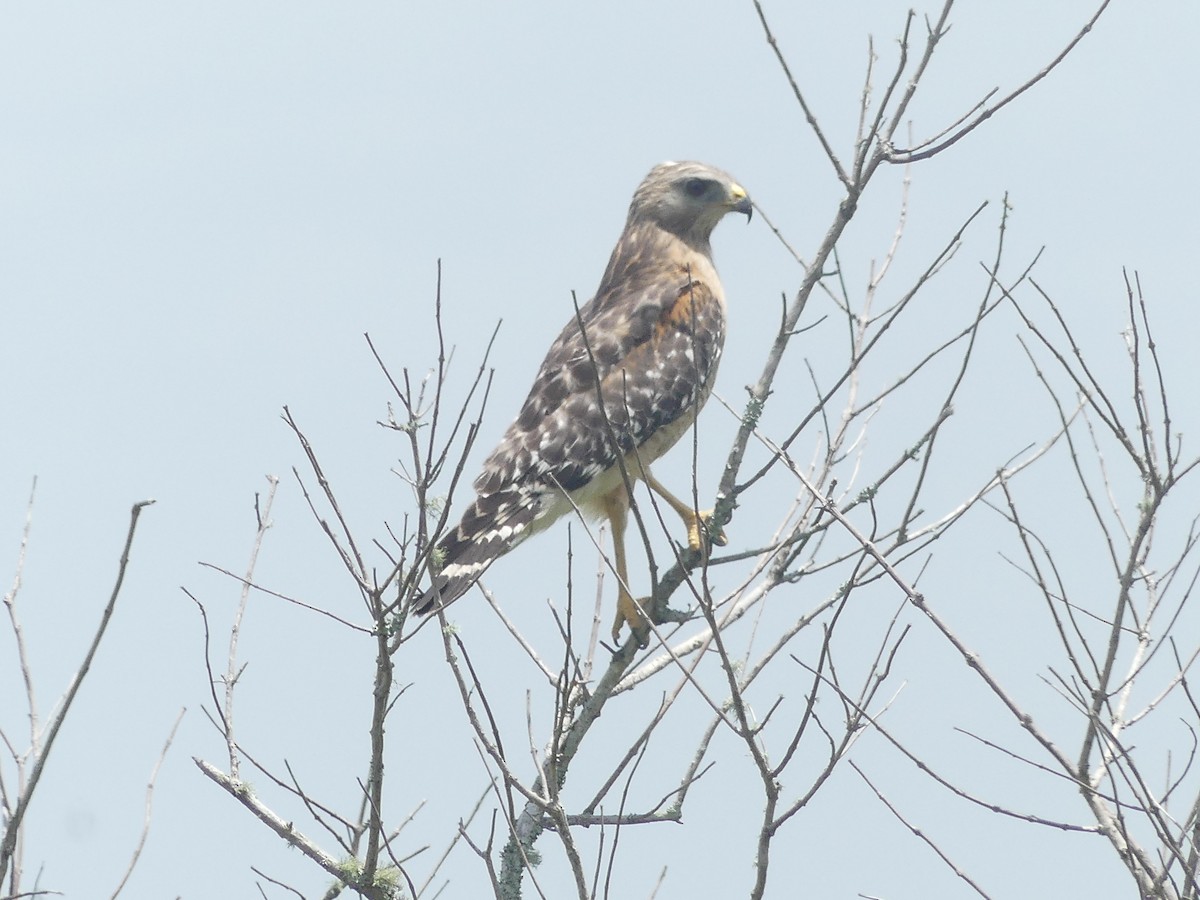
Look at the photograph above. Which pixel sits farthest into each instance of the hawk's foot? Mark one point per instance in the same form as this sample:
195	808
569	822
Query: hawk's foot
629	613
702	525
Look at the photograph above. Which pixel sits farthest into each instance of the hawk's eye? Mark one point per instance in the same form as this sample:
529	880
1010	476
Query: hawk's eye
695	187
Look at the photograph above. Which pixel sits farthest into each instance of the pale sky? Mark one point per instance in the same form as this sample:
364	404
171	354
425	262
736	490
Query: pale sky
202	210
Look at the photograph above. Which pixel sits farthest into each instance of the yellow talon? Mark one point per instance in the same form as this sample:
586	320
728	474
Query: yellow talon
698	525
628	612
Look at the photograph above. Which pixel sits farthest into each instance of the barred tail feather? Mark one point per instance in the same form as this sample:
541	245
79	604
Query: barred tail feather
491	526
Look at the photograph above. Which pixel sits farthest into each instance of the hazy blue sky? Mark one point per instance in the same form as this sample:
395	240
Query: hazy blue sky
204	207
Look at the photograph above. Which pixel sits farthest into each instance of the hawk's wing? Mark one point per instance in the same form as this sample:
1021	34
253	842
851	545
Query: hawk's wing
654	349
655	336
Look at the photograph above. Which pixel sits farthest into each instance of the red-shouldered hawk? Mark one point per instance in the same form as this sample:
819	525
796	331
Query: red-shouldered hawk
655	329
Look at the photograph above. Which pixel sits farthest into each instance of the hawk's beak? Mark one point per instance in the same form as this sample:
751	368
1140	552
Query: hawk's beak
739	201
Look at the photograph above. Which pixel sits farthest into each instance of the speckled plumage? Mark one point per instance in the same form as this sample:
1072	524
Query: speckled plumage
655	329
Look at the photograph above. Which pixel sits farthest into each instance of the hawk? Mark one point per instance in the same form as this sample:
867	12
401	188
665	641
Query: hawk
629	383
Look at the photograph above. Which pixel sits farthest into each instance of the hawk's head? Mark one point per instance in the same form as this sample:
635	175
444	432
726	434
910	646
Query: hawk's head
687	199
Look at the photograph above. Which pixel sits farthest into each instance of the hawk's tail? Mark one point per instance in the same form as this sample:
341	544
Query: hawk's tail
491	526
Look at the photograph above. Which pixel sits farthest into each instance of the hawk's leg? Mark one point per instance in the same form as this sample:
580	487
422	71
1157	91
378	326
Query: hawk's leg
697	525
616	509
